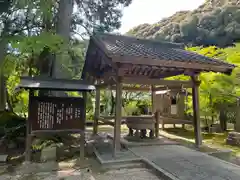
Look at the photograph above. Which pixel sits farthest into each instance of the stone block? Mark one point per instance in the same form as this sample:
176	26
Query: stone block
32	168
49	154
222	154
233	139
3	157
90	148
215	128
48	166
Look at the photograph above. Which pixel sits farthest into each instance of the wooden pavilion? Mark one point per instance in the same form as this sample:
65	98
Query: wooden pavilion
115	61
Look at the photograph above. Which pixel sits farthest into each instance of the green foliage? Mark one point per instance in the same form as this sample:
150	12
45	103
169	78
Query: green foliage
94	16
9	120
36	44
214	23
131	108
219	92
30	29
17	63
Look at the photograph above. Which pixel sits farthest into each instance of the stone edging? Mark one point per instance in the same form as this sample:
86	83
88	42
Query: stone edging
114	161
127	144
159	171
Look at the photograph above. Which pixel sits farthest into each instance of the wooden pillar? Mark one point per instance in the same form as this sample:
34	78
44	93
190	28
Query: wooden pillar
157	117
181	106
28	152
196	111
83	124
155	112
237	123
97	111
118	117
152	100
186	105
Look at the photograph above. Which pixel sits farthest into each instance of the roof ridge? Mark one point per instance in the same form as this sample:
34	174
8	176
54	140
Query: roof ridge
179	45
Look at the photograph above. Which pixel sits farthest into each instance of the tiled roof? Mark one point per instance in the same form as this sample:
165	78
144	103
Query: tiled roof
118	45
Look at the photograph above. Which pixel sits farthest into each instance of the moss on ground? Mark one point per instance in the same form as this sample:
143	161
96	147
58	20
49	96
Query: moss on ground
213	140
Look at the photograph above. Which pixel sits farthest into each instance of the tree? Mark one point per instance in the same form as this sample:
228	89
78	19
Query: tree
215	23
39	38
218	92
33	42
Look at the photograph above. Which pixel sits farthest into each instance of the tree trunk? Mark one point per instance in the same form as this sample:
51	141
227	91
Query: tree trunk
64	18
223	120
3	45
44	66
9	103
3	97
45	59
112	104
211	104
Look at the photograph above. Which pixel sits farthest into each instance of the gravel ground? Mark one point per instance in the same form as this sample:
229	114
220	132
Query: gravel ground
123	174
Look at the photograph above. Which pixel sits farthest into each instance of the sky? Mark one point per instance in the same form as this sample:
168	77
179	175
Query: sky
152	11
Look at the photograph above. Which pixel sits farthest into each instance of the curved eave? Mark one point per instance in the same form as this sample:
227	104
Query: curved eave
188	65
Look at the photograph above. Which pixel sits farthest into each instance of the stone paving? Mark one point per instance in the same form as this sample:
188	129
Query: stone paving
183	163
187	164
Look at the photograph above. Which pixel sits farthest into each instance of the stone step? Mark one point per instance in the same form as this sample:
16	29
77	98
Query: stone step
123	165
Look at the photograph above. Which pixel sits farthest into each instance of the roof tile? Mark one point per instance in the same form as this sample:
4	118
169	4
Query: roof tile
130	46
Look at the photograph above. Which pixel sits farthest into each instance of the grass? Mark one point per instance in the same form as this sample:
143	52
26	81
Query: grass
212	141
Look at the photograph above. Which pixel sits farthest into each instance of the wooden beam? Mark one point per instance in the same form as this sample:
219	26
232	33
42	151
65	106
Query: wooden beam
97	111
157	118
124	88
147	71
181	105
166	74
168	63
166	88
118	117
146	81
132	89
196	111
143	89
28	131
152	99
237	124
82	140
